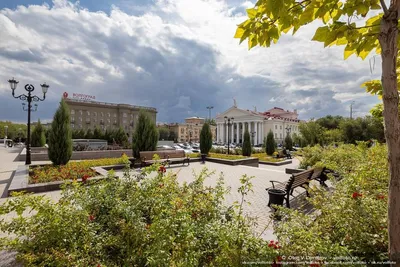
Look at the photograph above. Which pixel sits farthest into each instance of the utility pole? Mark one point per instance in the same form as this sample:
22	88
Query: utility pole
351	110
209	112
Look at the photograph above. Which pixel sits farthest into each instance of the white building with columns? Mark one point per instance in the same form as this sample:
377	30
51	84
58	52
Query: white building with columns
279	121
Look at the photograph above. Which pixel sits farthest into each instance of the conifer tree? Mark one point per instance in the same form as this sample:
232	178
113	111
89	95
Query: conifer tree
246	150
38	138
60	136
205	139
270	146
97	133
145	136
89	134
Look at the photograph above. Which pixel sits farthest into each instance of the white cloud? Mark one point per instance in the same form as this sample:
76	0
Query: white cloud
177	54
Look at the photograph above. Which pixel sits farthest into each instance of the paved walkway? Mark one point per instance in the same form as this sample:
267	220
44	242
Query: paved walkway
258	199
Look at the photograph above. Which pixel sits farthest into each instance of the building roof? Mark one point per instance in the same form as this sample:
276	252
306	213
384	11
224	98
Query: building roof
77	101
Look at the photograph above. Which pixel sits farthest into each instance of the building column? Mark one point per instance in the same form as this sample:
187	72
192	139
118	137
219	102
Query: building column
243	126
227	133
217	132
237	132
256	134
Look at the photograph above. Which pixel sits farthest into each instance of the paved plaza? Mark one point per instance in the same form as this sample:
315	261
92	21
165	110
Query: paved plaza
258	199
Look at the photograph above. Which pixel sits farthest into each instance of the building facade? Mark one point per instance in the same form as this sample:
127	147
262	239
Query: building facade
190	130
91	114
281	122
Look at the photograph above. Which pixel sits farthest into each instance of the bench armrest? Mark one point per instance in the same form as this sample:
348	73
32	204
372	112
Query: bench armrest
273	181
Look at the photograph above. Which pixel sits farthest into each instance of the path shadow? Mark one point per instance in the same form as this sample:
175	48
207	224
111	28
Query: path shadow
8	182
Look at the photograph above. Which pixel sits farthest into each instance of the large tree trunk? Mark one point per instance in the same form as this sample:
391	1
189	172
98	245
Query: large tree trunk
388	42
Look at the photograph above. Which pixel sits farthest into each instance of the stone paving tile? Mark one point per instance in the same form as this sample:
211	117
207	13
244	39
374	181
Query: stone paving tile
231	174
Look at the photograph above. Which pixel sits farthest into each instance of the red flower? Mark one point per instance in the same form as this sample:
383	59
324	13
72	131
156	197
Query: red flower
162	169
161	185
98	265
314	265
380	196
356	195
148	226
91	218
84	178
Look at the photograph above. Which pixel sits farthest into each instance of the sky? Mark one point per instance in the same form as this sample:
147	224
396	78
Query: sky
178	56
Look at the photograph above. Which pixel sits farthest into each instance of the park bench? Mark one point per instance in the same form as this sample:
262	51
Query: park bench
301	179
166	157
146	157
176	156
281	154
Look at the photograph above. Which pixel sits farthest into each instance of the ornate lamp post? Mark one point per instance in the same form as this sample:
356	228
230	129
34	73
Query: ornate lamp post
28	98
252	137
229	122
209	112
5	136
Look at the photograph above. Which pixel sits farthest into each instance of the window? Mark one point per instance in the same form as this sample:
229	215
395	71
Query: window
108	114
94	120
124	121
88	113
276	135
182	130
108	120
80	112
276	127
72	125
132	116
80	126
281	127
72	112
124	115
102	114
72	119
80	118
95	114
280	135
115	115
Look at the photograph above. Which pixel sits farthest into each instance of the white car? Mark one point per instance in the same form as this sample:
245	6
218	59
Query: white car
178	147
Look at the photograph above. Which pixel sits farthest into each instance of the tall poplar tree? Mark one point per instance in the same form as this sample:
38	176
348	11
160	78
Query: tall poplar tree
145	136
60	136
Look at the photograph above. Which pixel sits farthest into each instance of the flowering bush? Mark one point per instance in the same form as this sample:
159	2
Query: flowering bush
141	220
352	219
71	171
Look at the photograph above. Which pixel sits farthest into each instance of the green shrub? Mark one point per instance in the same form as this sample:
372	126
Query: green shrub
246	149
270	143
89	134
97	133
38	138
145	137
60	136
123	222
205	139
350	220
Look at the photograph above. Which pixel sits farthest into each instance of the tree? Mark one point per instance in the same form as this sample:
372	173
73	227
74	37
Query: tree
38	138
211	122
120	137
145	136
270	143
163	133
205	139
60	136
330	122
246	149
89	134
269	19
172	136
97	133
288	142
333	136
312	133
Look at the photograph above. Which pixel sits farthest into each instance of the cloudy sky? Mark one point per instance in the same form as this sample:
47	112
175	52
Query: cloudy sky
178	56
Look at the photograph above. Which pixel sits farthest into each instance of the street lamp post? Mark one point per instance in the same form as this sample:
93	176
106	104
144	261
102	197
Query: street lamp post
209	112
229	122
5	136
28	98
252	137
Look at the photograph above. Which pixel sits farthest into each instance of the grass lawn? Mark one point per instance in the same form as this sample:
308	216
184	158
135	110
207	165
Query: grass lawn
265	157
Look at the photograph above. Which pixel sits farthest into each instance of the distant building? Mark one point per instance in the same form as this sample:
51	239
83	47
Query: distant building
190	130
281	122
91	114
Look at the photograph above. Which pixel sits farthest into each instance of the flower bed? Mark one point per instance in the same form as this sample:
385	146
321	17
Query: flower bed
265	157
73	170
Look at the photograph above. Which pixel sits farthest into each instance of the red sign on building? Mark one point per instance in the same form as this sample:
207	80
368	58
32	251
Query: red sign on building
65	95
